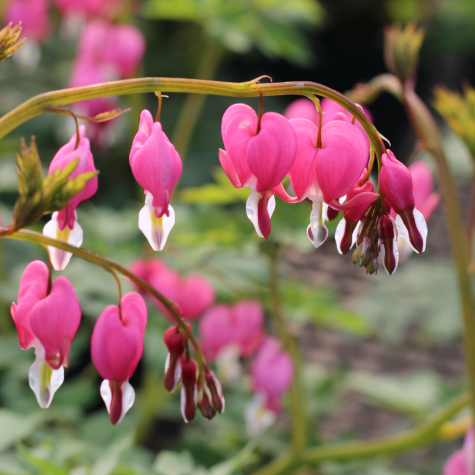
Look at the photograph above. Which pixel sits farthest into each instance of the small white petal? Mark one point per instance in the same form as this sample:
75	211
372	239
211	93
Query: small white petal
258	417
156	230
128	397
183	401
228	365
421	226
404	249
44	380
251	208
317	232
395	248
59	258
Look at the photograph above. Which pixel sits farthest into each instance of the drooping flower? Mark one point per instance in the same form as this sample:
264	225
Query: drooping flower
192	294
328	173
271	377
305	109
396	183
389	247
462	461
63	224
189	389
175	342
46	319
157	167
116	348
259	159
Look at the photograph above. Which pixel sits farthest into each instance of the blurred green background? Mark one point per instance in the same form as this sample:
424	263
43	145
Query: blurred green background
381	352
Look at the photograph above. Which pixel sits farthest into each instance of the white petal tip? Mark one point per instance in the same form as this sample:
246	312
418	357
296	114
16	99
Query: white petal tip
44	381
251	209
156	230
128	397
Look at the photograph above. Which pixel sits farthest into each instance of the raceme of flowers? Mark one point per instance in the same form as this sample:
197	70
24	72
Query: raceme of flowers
327	165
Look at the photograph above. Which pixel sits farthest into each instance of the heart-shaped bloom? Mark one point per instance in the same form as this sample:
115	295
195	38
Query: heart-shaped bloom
192	294
119	47
259	160
305	109
64	225
33	15
271	376
224	325
395	181
46	319
328	173
157	167
116	348
461	462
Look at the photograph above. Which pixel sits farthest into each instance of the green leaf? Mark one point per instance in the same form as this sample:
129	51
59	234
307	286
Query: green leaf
112	455
172	463
16	427
45	466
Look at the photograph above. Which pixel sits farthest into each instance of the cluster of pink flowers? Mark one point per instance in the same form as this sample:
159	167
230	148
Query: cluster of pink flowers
327	165
47	316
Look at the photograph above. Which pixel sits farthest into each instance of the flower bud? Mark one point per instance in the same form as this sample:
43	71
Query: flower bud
204	402
215	390
189	391
175	342
389	250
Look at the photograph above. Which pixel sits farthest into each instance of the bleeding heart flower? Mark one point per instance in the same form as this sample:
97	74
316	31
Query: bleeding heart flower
157	167
46	319
395	181
271	376
259	159
116	348
63	225
224	325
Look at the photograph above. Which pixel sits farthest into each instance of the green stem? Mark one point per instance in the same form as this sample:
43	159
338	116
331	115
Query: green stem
297	391
109	265
421	436
194	103
38	104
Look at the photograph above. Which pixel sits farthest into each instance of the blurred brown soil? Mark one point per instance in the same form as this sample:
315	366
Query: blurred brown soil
334	350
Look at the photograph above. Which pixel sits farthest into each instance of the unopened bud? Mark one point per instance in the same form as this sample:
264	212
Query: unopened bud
216	391
389	250
204	402
189	391
175	342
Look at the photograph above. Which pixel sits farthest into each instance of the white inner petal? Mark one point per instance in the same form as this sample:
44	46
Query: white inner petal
44	380
258	417
128	397
317	232
74	237
251	208
421	226
177	375
156	230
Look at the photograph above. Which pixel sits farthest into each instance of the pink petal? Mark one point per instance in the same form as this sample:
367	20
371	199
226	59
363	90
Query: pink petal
197	294
238	127
302	109
271	153
359	201
33	15
341	160
55	320
229	169
456	464
33	288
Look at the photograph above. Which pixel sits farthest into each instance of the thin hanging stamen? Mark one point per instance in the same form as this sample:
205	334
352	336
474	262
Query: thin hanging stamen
119	288
159	111
316	101
261	109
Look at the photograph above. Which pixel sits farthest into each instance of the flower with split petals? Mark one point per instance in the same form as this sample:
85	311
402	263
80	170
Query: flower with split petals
271	376
462	461
192	294
230	332
259	156
157	167
396	183
116	348
46	319
326	174
63	224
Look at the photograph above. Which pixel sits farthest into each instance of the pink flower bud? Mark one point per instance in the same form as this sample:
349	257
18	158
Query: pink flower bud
116	348
175	342
33	15
395	181
204	402
389	250
259	160
224	325
271	373
65	155
189	391
47	320
216	391
157	167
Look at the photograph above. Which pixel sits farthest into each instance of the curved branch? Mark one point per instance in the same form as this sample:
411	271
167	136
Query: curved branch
109	265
